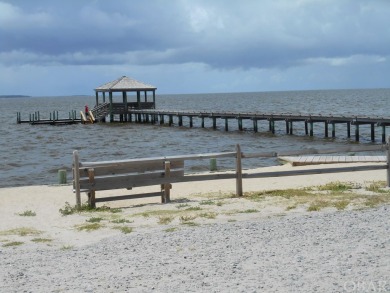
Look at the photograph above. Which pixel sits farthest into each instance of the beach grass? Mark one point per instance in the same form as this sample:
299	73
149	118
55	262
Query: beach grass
190	223
187	218
27	213
164	220
171	229
124	229
41	240
378	187
121	221
182	205
208	215
338	195
89	227
249	211
69	209
66	247
22	231
94	220
193	208
13	243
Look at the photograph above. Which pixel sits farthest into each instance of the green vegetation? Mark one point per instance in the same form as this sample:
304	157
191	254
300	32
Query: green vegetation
69	210
187	218
172	229
209	215
41	240
378	187
285	193
341	204
89	227
23	231
13	243
337	195
192	224
291	207
376	200
317	205
164	220
337	186
124	229
121	221
66	247
94	220
157	213
193	209
249	211
207	202
182	205
28	213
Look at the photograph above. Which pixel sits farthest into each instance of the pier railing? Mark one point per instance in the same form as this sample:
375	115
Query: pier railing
126	173
289	119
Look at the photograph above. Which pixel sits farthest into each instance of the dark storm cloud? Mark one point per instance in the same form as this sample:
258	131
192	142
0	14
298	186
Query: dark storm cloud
221	34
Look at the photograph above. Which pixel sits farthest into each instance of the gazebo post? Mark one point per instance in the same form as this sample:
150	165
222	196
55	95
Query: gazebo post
124	96
154	99
104	97
97	98
138	100
111	108
146	96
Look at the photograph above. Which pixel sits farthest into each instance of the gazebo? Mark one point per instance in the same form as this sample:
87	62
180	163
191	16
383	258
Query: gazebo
126	87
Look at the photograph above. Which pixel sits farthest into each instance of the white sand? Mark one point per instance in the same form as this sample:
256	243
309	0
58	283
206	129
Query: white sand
266	251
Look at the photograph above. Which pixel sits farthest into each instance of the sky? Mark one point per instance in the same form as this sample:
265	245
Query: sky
57	48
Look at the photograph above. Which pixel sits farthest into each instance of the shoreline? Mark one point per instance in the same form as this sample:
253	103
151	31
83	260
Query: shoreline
47	200
203	241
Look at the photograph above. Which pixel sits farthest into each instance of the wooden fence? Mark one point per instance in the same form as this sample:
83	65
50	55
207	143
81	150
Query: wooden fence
106	175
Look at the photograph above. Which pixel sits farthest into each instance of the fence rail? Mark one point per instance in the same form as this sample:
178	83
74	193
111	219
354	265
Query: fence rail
134	165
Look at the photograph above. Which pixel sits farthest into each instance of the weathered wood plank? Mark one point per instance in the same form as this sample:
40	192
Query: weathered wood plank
136	162
314	171
131	168
130	196
311	160
127	180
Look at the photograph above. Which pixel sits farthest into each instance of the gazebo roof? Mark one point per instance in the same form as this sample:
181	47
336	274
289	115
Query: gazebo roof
124	83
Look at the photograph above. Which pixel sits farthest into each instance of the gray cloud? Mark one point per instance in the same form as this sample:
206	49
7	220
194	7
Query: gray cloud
239	35
249	43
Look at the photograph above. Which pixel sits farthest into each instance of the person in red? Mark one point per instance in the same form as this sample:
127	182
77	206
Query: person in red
86	111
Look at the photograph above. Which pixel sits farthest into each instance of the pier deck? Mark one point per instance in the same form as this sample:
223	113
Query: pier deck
118	112
315	160
35	119
155	116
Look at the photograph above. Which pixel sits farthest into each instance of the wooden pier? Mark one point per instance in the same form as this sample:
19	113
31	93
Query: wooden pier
142	110
326	159
117	112
167	117
35	119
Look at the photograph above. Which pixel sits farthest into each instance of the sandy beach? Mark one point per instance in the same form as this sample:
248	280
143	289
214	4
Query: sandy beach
205	240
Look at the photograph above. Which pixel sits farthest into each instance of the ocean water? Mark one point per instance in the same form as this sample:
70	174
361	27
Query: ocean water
32	155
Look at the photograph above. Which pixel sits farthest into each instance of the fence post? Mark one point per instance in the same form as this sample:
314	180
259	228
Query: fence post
76	177
167	186
91	193
388	161
238	171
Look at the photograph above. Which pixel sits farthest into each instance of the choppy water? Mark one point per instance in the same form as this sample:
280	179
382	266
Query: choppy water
31	155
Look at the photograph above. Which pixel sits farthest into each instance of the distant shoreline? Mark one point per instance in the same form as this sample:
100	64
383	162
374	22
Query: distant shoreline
14	96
